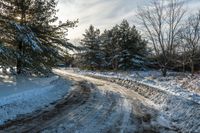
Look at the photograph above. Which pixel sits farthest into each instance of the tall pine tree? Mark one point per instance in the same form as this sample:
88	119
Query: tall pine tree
93	58
123	46
30	32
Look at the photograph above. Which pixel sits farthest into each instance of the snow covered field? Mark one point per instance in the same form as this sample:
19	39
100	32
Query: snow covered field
23	95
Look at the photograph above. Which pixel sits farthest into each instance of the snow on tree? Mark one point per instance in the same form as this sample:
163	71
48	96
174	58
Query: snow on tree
25	35
29	29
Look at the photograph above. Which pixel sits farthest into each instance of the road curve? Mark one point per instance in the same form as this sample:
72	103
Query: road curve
94	106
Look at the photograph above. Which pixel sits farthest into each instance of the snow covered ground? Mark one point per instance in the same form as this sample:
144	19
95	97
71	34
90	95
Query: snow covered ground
183	85
102	104
23	95
174	95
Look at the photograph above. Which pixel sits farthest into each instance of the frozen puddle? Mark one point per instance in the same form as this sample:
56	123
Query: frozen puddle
22	95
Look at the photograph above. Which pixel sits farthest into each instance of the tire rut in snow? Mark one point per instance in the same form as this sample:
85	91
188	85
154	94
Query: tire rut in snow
39	119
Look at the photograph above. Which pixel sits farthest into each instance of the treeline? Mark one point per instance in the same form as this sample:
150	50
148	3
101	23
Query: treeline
119	48
30	39
172	41
173	34
33	39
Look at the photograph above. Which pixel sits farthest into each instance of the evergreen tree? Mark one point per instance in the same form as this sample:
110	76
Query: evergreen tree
123	46
93	58
110	47
29	30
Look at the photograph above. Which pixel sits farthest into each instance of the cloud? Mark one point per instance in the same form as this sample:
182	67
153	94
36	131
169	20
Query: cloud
101	13
193	5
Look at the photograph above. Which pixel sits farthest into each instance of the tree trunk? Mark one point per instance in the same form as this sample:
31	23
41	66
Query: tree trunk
19	66
184	67
19	59
164	71
20	47
192	67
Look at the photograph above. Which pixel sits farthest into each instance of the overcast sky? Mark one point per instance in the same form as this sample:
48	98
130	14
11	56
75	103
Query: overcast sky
102	13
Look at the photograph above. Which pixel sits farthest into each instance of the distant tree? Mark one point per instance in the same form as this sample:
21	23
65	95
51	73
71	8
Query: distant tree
122	45
29	30
92	56
162	21
109	47
190	35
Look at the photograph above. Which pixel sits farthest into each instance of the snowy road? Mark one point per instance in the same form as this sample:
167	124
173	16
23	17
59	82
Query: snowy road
94	106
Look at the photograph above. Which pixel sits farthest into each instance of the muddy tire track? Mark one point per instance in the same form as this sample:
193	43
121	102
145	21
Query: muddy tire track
38	120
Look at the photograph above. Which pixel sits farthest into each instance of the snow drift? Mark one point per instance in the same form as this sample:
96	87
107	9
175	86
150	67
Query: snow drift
29	95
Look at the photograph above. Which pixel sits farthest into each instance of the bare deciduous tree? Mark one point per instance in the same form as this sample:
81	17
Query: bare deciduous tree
161	21
190	35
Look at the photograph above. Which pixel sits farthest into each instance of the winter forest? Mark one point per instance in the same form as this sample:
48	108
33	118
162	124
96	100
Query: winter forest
138	74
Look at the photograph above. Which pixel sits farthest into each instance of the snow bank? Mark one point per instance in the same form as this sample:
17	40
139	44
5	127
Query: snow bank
178	84
35	94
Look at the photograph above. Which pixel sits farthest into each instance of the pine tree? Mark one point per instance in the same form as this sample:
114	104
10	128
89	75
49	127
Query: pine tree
93	58
110	47
123	45
29	29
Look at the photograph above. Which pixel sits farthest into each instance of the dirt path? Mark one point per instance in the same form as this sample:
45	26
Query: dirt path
93	106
